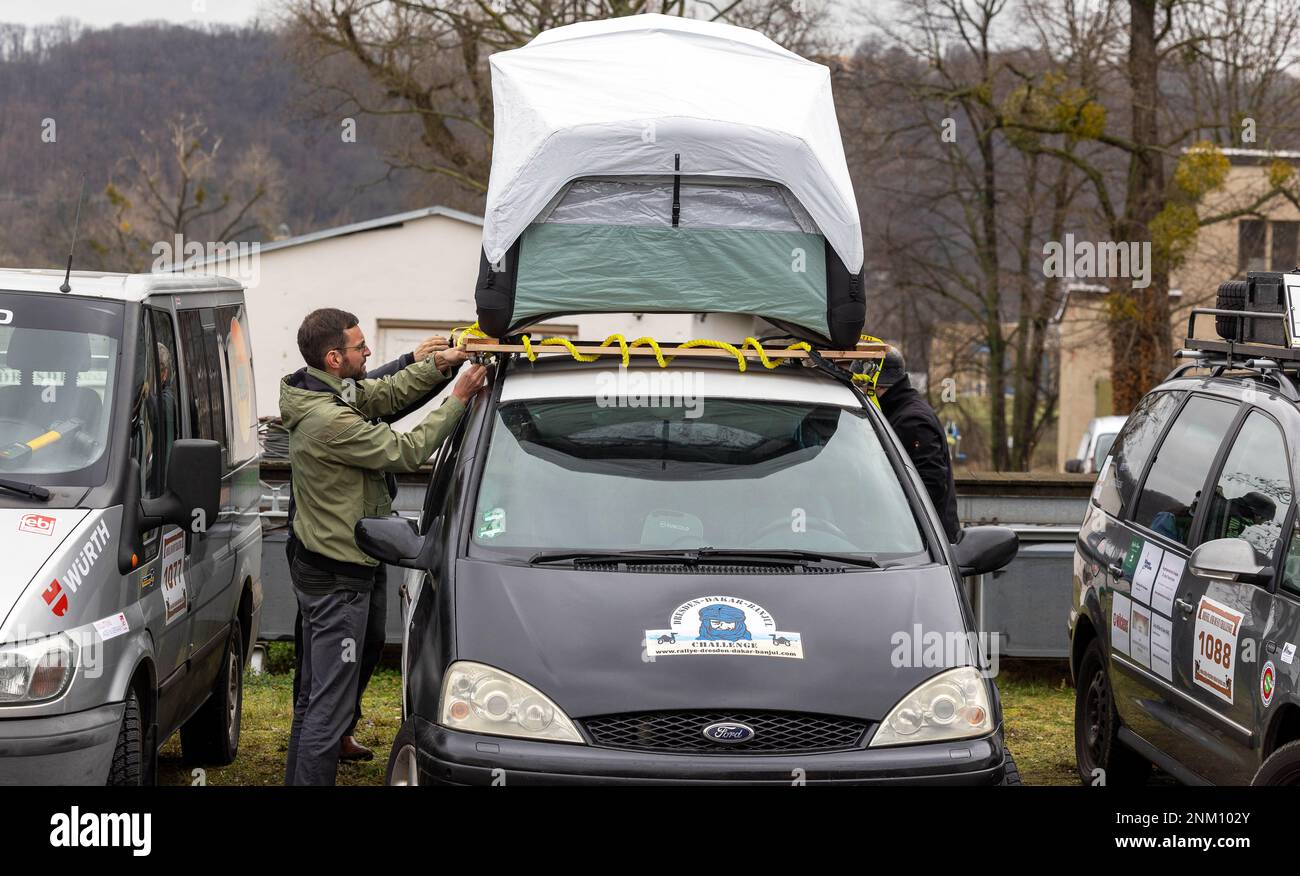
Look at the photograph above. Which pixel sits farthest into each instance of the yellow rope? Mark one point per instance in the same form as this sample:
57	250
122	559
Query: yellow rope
462	334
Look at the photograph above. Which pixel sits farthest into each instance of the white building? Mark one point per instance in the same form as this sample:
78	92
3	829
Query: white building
405	276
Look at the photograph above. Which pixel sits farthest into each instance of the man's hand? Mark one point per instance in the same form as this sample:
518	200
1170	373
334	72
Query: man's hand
429	346
444	359
474	379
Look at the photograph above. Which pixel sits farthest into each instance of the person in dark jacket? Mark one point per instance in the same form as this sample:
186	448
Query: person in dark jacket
377	619
918	428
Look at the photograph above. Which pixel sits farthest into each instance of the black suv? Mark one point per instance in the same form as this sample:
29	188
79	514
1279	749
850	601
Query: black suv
1186	611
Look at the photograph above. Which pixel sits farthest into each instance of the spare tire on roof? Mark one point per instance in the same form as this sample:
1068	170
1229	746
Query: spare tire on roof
1232	296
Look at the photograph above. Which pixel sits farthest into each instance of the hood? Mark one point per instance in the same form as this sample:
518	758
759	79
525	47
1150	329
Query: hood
597	643
27	541
300	392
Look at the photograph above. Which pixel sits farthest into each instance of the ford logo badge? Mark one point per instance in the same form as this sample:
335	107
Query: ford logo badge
729	732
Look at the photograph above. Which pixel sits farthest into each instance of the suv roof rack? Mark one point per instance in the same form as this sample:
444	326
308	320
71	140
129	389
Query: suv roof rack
1273	363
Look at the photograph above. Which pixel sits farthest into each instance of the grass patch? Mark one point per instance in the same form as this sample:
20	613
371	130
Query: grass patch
1037	704
264	734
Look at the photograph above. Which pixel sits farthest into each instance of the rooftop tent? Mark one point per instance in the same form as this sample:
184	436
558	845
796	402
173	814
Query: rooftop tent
660	164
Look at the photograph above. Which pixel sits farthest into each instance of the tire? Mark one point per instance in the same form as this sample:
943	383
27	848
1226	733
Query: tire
1012	774
128	768
1282	767
1096	728
211	736
1232	296
403	759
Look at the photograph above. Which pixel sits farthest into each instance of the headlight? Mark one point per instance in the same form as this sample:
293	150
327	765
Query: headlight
480	699
952	705
36	671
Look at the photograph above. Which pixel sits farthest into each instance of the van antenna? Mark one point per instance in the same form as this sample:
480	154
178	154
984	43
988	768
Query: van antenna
75	222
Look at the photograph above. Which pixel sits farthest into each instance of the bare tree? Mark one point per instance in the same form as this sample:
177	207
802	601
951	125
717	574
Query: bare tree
172	188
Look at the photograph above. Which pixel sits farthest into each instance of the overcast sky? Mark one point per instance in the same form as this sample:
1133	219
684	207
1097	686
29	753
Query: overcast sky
102	13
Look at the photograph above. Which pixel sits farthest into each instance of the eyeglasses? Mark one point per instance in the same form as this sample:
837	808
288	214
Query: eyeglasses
360	346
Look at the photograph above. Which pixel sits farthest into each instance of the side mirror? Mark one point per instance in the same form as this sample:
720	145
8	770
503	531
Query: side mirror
1229	559
1074	466
193	485
392	540
982	549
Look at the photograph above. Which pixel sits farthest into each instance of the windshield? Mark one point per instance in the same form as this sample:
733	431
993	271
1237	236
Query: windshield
58	366
730	474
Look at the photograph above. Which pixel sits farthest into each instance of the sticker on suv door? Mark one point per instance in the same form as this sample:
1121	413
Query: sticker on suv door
723	625
1214	647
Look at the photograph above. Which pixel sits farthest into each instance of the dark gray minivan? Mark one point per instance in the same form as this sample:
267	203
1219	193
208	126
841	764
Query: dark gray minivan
131	582
686	575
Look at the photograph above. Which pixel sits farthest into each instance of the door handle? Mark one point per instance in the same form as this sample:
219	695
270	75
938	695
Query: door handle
1184	606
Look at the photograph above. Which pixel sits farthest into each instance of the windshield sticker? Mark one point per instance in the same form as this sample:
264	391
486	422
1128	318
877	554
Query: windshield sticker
173	574
1166	586
85	558
37	523
55	598
1119	612
1288	653
1145	575
113	626
1214	649
1267	683
723	625
494	523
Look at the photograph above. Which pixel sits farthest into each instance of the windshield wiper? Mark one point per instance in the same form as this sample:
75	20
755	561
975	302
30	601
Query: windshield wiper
704	554
31	490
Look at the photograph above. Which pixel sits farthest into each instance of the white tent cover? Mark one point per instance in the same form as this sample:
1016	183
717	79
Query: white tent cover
623	96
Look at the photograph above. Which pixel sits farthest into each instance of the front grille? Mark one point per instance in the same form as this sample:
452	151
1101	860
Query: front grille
683	732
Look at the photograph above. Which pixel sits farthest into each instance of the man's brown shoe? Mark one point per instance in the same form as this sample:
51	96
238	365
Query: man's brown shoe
350	749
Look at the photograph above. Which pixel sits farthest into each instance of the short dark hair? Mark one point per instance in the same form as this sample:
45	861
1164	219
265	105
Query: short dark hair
321	331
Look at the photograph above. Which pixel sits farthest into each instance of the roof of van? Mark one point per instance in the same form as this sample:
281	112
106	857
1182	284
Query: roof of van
116	287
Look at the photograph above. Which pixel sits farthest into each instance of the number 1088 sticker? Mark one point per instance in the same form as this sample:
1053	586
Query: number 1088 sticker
1214	651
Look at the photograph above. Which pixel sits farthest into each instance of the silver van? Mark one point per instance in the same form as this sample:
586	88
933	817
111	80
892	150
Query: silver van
130	585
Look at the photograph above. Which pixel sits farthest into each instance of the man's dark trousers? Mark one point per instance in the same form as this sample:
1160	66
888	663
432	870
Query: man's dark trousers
371	650
334	612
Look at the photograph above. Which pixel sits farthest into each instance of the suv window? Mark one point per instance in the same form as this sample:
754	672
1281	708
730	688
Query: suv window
1172	490
1253	494
1134	448
1291	565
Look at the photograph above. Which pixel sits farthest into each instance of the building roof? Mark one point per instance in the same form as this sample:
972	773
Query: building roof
394	221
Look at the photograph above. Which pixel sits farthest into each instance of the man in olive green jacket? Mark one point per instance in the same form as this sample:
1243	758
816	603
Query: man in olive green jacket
339	450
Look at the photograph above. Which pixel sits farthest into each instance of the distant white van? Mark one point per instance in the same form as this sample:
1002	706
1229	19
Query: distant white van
1095	445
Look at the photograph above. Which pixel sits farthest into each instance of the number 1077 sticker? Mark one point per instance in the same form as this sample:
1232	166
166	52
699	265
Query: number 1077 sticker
1214	651
173	574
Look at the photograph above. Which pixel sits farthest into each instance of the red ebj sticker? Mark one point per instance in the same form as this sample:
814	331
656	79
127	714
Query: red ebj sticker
37	523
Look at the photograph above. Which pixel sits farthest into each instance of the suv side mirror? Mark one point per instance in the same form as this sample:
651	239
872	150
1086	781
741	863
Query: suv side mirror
982	549
1229	559
193	484
1074	466
394	540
